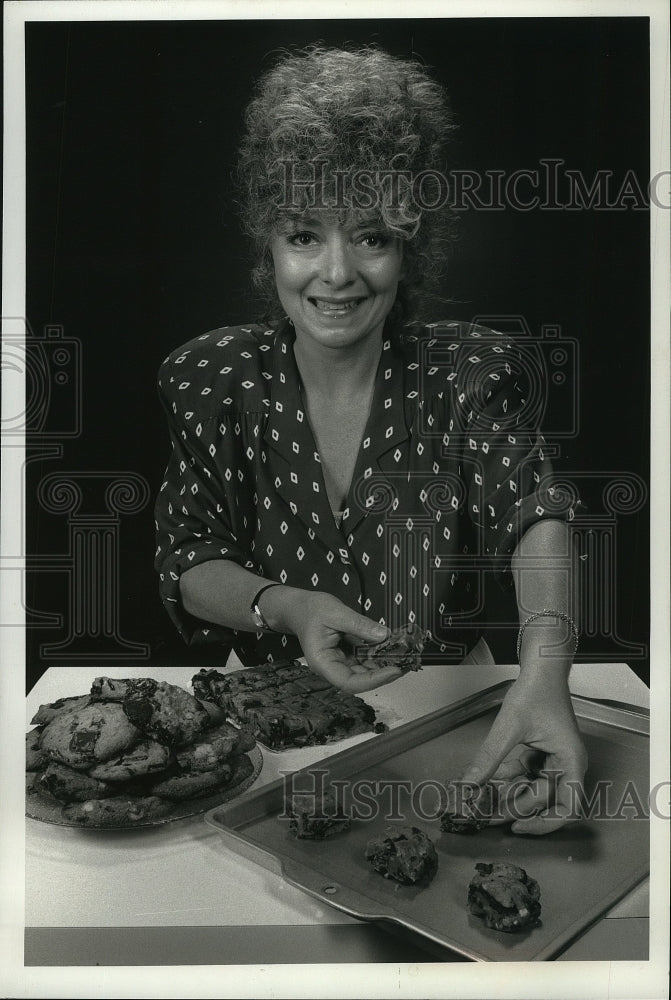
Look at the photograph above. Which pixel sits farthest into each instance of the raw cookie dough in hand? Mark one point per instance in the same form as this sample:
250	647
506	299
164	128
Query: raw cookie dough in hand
403	649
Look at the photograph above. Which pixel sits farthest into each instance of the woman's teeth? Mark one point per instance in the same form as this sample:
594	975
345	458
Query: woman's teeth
335	308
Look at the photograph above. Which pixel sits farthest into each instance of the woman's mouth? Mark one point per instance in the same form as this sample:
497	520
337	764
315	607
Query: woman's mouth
335	307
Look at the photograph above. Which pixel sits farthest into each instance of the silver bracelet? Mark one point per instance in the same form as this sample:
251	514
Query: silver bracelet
542	614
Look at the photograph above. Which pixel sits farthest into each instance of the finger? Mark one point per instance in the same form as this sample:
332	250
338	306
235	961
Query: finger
569	790
506	794
531	800
359	629
564	788
358	668
499	742
356	683
546	822
340	674
532	760
359	647
509	769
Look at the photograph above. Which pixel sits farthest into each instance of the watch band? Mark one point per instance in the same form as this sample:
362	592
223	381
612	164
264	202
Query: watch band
260	622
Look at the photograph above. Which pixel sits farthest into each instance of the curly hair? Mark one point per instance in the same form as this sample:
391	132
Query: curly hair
329	114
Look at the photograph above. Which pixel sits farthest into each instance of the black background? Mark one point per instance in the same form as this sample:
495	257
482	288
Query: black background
133	246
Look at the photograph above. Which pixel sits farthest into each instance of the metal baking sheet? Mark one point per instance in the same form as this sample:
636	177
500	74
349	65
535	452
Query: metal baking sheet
582	869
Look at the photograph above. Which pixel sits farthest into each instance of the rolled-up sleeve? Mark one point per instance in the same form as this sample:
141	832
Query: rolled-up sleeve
195	507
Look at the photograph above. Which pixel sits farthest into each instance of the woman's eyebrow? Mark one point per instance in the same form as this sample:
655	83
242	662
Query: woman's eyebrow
308	219
316	220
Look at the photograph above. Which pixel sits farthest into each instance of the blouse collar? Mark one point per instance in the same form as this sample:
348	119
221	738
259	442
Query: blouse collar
299	479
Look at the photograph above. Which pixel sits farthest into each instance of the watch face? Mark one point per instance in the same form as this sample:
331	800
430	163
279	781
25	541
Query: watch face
259	620
257	614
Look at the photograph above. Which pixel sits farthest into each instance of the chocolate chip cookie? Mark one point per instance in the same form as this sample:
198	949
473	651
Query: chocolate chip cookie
85	737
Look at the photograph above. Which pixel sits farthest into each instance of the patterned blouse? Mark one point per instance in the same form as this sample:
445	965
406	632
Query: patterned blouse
450	474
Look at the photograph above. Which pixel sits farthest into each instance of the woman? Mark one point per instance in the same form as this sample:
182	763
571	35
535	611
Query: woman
341	470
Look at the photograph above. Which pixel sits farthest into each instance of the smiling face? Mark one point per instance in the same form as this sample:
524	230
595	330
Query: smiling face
336	281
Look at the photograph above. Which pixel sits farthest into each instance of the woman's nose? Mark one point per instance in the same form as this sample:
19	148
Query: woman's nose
337	265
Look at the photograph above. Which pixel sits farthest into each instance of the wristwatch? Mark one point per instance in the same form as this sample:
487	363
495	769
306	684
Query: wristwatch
260	622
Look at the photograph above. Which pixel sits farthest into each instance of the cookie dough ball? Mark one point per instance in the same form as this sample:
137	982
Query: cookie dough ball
505	897
469	807
403	853
315	816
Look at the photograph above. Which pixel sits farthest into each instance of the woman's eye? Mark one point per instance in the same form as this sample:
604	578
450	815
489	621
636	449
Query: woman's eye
302	239
374	241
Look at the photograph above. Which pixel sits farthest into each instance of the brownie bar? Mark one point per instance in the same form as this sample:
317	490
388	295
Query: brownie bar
285	704
212	685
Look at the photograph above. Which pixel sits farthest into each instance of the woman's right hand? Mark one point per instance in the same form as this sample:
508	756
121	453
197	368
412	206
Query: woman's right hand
328	631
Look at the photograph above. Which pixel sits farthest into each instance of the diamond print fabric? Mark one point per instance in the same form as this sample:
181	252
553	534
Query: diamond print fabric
447	479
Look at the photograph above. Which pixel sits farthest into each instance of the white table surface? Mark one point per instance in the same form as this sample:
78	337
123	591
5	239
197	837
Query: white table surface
182	875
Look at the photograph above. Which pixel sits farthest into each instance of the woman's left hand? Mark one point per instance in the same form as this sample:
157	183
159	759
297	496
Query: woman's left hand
536	720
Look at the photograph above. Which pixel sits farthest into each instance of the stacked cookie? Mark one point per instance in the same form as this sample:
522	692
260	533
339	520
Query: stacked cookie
130	751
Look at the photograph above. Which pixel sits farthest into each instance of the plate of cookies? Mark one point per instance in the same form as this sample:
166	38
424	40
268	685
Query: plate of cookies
132	753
